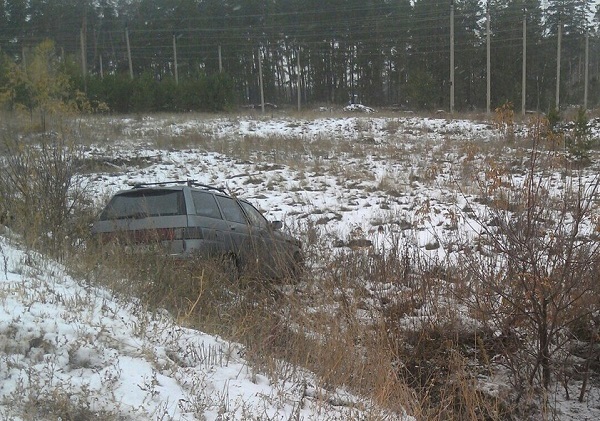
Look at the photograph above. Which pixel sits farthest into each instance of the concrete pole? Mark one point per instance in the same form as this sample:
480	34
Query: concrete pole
83	57
451	56
586	71
488	60
558	64
175	59
299	83
260	82
128	52
524	70
220	60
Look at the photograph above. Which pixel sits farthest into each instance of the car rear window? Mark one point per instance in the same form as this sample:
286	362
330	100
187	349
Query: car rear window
145	203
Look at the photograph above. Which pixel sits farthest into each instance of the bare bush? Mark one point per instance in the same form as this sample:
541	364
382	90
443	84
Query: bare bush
39	189
533	277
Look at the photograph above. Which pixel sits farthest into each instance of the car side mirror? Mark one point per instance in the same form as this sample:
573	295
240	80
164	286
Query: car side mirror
276	225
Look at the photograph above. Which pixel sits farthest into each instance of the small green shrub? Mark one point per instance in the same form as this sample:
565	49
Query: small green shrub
579	142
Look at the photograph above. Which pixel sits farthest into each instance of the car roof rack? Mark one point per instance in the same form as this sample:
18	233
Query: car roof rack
190	183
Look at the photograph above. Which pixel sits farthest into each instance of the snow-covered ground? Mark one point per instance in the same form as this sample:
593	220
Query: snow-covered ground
61	340
71	351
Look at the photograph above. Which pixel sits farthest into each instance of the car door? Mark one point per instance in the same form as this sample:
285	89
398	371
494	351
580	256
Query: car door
266	245
214	237
239	229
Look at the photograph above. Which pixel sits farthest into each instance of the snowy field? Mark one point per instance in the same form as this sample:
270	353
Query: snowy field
379	179
376	178
348	190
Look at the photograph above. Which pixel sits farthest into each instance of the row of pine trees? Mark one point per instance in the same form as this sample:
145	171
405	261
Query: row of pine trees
184	54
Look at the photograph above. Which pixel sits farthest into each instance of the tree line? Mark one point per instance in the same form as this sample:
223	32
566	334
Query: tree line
211	54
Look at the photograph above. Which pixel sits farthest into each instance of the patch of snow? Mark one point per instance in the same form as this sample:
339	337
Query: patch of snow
358	108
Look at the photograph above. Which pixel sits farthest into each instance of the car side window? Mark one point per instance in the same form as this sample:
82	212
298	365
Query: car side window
255	217
231	210
145	203
205	205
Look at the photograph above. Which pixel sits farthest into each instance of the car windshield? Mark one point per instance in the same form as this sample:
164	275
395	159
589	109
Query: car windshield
144	203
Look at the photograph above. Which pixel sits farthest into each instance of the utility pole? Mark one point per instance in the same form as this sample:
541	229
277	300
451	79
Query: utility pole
128	52
586	75
524	70
451	56
83	56
558	64
220	60
175	59
488	59
95	38
260	82
299	83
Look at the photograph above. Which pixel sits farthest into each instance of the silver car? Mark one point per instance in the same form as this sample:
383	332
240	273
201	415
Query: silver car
192	220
